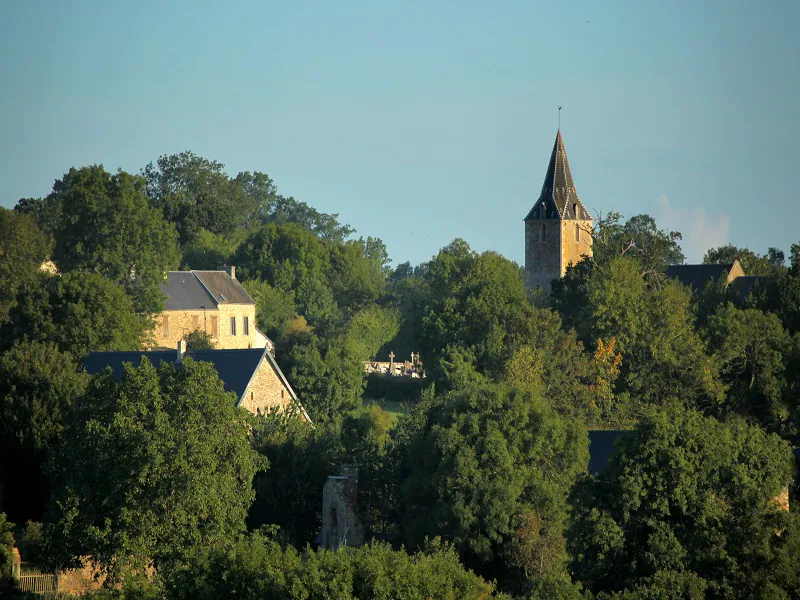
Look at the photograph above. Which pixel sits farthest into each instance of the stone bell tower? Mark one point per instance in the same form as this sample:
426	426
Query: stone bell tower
557	227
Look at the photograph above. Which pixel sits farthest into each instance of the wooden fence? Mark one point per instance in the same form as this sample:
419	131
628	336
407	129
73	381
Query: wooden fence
38	583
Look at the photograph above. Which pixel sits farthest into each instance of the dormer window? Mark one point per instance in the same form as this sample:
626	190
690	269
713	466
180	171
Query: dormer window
575	210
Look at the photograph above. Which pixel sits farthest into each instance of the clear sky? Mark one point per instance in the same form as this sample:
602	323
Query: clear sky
420	122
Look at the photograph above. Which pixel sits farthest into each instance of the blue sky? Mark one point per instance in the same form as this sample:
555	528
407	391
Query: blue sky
420	122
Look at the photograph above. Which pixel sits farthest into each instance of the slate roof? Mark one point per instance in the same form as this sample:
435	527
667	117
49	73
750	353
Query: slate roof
558	196
697	276
191	290
743	286
601	446
236	368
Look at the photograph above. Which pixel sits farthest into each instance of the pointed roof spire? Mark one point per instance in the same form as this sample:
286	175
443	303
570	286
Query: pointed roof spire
558	196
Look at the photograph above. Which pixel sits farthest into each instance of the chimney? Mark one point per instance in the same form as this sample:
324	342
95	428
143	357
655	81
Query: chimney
230	270
181	352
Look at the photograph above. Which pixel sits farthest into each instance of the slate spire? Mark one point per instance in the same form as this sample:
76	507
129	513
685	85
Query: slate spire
558	199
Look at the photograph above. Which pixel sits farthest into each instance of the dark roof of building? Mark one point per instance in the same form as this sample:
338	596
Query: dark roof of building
698	276
235	367
559	197
184	291
191	290
601	446
224	288
743	286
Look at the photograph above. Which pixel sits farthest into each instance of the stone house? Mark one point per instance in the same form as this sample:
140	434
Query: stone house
210	301
697	277
250	373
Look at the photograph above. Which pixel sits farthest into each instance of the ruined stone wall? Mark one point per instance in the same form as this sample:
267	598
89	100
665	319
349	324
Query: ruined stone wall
340	524
182	322
576	242
266	391
542	252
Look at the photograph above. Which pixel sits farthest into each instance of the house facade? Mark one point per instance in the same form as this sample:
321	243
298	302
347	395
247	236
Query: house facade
210	301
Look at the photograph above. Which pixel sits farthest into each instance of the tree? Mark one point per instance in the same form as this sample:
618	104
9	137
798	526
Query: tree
752	348
274	307
195	194
199	340
38	386
664	359
639	238
6	550
322	225
129	243
151	467
23	249
686	494
80	312
751	263
488	468
259	567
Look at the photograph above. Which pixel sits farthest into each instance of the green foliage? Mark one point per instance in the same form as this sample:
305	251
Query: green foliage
478	459
152	466
638	238
752	349
686	493
327	375
199	340
324	226
80	312
6	550
289	494
257	567
207	250
664	359
23	248
195	194
108	227
274	307
752	263
370	329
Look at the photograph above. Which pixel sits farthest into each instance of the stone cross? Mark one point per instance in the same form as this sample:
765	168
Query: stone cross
391	363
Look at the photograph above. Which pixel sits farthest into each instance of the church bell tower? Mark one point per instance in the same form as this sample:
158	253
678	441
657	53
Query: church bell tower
557	227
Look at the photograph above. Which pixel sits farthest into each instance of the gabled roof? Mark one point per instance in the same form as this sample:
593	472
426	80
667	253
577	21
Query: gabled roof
698	276
558	196
192	290
235	367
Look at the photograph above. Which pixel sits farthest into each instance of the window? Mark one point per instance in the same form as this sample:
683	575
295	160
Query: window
575	210
213	327
577	232
233	325
282	394
333	516
166	326
195	322
246	326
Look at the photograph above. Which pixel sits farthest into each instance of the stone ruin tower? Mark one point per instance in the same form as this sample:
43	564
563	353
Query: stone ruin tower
557	227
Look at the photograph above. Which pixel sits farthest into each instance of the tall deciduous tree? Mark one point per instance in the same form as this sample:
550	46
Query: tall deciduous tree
80	312
23	249
489	468
107	226
38	385
151	467
687	496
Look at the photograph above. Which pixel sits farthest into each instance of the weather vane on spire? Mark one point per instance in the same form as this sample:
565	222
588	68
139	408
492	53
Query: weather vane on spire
559	117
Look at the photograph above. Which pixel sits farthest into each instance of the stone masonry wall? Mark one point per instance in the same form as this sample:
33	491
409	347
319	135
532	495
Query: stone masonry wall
340	524
182	322
542	256
266	391
572	249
